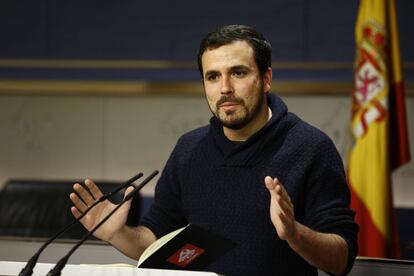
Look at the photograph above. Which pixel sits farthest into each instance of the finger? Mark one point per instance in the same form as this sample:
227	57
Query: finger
127	204
270	184
128	191
284	211
286	208
77	202
284	196
280	189
75	212
93	189
84	194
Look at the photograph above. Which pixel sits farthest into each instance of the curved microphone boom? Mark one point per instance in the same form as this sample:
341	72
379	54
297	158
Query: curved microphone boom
56	271
28	269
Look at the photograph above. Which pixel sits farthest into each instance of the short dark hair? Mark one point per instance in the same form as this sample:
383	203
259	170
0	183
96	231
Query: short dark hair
227	34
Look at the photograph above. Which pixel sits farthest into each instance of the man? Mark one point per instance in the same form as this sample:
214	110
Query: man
256	174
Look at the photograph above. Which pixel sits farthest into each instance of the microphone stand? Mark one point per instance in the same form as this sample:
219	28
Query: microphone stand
57	269
28	269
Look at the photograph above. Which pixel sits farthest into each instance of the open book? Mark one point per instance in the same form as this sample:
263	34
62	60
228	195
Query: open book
187	248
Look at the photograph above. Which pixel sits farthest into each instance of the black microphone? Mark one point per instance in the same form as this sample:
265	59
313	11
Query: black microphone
56	271
28	269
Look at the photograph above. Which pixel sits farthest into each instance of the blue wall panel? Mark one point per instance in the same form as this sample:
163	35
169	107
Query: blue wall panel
299	30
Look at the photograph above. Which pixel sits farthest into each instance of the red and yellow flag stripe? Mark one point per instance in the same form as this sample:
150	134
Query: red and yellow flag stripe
378	79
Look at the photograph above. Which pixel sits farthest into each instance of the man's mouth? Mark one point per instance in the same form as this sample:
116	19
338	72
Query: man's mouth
225	104
229	103
229	106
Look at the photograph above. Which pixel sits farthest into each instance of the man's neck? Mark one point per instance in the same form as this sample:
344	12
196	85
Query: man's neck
239	135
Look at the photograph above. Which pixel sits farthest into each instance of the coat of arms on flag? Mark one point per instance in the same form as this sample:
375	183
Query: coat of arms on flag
378	128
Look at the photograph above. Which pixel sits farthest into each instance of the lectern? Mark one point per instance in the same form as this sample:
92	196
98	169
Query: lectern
41	269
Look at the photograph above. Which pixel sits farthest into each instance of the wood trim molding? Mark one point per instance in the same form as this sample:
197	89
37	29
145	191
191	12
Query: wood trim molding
189	88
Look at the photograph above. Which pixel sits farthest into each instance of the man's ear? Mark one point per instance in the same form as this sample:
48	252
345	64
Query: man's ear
267	80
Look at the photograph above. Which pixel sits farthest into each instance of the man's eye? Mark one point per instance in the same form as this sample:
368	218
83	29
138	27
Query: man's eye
211	77
240	73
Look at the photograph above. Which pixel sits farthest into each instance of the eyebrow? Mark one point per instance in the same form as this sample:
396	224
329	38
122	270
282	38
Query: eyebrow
240	67
233	68
210	72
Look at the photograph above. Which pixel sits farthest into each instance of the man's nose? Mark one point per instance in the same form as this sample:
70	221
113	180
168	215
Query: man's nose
226	85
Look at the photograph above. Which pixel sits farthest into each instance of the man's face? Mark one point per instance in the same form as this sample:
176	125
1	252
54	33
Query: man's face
234	88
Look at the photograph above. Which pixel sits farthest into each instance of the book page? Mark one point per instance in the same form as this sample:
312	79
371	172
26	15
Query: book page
158	244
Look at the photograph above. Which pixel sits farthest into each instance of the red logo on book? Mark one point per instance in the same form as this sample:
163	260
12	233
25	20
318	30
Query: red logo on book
185	255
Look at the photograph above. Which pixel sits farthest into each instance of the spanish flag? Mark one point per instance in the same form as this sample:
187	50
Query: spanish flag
378	126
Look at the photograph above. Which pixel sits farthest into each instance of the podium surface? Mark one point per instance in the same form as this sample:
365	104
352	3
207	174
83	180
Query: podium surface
41	269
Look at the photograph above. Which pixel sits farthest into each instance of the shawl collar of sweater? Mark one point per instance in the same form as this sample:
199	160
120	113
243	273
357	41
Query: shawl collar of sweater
252	151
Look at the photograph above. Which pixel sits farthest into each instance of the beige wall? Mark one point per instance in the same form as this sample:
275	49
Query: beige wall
112	138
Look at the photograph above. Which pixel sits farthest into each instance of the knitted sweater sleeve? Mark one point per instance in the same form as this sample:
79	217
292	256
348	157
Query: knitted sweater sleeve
328	198
166	213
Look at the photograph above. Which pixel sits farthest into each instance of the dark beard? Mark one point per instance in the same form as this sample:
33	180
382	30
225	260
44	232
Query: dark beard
240	122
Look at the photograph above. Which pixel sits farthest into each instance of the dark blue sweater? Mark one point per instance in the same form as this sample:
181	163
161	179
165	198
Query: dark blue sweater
219	185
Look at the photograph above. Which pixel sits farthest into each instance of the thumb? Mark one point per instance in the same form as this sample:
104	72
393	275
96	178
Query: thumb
270	183
127	204
127	193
